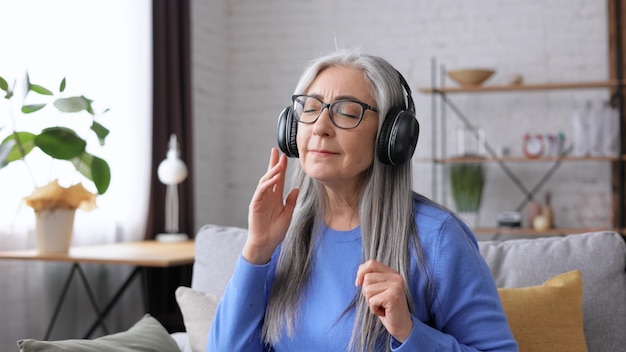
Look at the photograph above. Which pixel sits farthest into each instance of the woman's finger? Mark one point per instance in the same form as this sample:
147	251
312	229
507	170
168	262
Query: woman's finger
371	266
273	158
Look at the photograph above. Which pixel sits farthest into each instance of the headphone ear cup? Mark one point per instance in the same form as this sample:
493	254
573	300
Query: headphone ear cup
287	128
398	137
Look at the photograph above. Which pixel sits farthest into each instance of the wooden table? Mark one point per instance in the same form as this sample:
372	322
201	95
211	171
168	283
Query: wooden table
141	255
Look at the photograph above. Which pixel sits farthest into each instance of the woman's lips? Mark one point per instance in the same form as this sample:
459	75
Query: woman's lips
321	152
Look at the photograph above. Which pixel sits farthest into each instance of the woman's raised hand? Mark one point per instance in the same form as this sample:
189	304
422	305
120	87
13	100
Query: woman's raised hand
268	215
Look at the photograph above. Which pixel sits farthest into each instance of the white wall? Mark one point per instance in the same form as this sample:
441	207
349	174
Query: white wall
210	88
248	56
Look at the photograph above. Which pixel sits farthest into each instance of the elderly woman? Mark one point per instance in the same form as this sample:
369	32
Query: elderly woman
352	259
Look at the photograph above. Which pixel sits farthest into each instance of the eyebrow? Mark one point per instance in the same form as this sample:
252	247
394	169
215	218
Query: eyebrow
340	97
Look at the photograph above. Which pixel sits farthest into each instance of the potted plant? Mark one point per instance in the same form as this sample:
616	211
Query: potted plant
467	180
59	142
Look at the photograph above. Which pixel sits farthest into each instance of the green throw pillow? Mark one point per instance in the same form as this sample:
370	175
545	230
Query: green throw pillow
147	335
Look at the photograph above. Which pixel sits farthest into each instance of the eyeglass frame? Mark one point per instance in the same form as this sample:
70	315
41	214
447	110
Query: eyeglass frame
330	111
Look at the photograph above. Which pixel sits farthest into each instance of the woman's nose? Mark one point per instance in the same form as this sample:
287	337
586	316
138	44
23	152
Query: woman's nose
324	123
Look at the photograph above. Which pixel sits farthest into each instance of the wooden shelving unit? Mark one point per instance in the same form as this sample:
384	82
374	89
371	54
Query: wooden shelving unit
524	87
521	159
617	61
616	161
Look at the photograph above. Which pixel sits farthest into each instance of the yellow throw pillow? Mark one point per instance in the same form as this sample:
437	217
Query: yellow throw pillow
548	317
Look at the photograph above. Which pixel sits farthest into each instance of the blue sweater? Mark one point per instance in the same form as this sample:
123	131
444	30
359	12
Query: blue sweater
463	311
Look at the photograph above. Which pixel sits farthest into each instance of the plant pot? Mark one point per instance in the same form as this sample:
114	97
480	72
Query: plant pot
54	229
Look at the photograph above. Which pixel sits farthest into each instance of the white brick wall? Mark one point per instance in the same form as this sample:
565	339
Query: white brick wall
210	89
249	54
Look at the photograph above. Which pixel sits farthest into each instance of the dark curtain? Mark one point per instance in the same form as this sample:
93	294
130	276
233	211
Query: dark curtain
617	64
171	114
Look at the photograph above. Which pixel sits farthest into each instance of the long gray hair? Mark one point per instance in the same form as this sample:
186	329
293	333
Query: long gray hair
387	227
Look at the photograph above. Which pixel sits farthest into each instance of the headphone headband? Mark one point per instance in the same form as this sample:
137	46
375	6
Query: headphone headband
409	99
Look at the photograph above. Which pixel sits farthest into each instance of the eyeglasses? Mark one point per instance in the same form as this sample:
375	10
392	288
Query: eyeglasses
344	114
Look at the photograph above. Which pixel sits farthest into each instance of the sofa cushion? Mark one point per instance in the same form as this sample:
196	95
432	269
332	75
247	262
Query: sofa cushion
182	339
198	309
217	249
216	252
147	335
600	257
548	317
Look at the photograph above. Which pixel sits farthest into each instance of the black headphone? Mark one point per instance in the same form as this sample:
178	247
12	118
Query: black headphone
396	141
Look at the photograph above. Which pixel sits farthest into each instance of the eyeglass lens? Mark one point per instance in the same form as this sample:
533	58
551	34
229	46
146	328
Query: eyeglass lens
344	114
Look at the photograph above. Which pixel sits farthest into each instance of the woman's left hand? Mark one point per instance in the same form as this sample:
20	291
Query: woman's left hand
383	288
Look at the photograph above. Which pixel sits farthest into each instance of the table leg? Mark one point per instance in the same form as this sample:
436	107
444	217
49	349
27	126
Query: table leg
145	289
92	299
60	301
113	301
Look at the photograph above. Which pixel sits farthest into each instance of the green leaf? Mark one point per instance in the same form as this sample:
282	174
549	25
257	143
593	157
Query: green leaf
100	131
39	89
4	85
60	143
95	169
467	181
27	109
21	144
62	85
82	163
72	104
101	174
5	149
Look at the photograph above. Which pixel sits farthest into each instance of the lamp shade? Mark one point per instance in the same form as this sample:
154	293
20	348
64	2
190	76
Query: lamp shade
172	170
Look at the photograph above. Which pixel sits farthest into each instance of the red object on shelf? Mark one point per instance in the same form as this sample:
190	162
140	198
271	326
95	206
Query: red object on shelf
533	145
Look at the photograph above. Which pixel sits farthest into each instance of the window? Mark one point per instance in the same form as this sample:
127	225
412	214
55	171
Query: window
103	49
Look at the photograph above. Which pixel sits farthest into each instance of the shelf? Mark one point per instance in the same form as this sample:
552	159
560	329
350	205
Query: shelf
522	159
531	232
522	87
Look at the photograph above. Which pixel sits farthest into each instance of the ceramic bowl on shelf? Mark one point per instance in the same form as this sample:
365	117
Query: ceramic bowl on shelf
470	76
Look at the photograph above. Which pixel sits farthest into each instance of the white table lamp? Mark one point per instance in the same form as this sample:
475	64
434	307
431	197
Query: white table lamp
171	172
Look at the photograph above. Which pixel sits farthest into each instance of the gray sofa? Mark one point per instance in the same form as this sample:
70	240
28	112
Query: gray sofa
599	256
